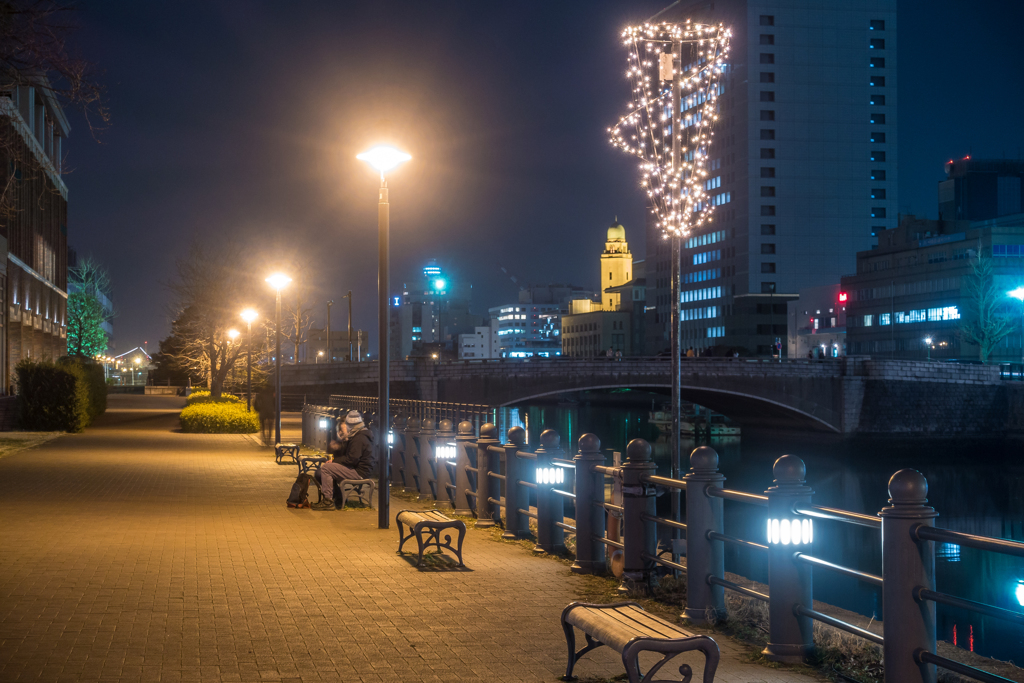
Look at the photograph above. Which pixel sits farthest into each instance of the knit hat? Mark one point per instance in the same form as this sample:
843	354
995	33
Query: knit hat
353	418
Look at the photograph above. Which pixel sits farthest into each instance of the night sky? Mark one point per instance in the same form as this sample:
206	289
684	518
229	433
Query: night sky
239	122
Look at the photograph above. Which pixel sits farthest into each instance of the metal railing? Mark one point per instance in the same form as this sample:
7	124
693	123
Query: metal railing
504	484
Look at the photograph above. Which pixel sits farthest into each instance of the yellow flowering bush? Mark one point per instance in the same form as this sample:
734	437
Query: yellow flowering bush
219	418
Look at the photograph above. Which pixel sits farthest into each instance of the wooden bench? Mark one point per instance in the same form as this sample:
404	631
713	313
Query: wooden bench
430	523
629	630
362	488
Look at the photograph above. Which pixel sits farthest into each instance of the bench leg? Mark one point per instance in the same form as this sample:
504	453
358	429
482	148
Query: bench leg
462	536
402	538
418	530
570	641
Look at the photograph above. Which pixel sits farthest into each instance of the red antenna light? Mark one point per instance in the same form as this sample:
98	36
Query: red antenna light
842	297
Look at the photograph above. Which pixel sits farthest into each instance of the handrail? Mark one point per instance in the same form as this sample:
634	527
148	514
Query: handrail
922	532
838	515
735	587
526	455
527	484
921	593
608	471
496	475
667	563
563	462
609	506
739	496
500	502
662	520
839	569
839	624
532	515
922	656
663	481
564	493
608	541
565	526
715	536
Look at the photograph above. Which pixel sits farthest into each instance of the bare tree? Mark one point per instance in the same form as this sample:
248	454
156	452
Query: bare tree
986	321
208	298
300	320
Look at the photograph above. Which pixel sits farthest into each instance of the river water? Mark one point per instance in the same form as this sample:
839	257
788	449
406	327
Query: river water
976	486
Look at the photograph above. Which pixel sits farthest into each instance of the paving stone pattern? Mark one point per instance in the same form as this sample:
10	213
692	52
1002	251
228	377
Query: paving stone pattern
132	552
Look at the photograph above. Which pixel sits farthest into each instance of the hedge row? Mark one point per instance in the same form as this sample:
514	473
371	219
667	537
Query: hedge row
63	396
219	418
203	396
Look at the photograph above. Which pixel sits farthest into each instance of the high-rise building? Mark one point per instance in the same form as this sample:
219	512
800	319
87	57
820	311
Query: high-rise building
430	313
33	227
803	167
981	189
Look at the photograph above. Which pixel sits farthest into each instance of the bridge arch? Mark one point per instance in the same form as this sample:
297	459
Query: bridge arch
747	409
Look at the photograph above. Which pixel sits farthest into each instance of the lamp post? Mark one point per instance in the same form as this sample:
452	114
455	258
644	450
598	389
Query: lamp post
248	315
349	297
928	346
233	337
278	282
330	356
1018	294
383	159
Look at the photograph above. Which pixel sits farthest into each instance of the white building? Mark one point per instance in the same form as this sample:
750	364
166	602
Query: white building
482	343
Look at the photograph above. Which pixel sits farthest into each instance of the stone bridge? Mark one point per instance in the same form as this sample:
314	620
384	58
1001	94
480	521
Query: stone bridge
852	395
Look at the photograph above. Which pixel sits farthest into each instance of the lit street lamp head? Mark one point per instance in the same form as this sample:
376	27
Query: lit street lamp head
383	158
278	281
233	334
249	315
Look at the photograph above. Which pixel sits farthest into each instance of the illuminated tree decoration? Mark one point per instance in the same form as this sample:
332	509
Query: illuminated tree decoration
677	192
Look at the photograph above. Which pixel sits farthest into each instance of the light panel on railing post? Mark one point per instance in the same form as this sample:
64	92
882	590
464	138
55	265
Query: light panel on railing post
323	423
550	475
444	451
790	532
391	437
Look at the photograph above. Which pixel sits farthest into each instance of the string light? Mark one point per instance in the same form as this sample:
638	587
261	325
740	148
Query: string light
678	196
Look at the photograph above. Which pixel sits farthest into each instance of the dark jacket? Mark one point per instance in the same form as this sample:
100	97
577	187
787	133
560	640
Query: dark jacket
357	452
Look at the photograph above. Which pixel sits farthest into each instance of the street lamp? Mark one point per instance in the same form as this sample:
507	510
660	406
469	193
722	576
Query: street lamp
319	355
928	345
349	297
383	159
248	315
1018	294
138	361
278	281
330	356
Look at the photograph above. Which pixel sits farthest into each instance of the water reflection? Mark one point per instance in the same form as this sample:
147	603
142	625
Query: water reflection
977	487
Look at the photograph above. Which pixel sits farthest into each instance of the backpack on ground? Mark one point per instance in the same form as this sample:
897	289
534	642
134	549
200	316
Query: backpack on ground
298	498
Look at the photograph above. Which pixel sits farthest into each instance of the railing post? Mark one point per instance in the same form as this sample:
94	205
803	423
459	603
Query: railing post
640	536
516	524
442	473
907	564
590	555
790	635
425	461
704	557
484	509
412	458
550	538
465	456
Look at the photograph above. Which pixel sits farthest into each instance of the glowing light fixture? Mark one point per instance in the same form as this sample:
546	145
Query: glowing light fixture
1019	593
550	475
233	334
249	315
323	423
383	158
790	532
439	284
444	451
391	437
278	281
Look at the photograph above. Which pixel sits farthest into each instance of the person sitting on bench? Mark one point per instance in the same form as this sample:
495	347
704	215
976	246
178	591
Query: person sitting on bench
353	458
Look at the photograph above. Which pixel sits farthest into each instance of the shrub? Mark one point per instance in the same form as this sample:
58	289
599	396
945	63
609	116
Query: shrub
219	418
203	396
63	396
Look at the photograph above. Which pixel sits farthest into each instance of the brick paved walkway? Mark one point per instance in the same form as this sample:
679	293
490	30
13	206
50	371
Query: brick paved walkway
132	552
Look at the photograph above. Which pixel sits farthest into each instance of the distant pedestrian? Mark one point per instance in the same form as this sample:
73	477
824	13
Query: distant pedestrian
618	354
264	405
610	353
689	352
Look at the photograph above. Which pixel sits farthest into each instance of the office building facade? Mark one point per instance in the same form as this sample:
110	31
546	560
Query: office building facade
803	168
33	221
430	313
